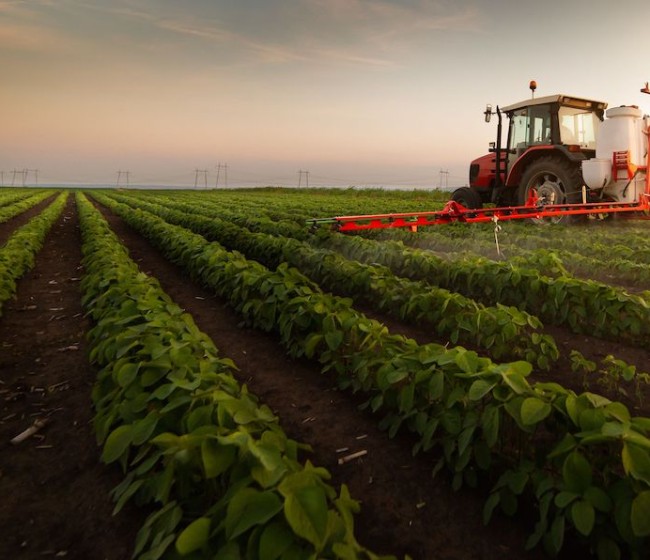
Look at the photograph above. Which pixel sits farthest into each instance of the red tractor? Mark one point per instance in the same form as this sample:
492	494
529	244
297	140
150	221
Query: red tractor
548	139
564	156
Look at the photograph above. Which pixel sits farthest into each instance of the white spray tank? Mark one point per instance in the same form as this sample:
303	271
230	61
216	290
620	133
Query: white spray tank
621	138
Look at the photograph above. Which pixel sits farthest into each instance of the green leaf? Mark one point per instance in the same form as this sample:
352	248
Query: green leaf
127	374
194	536
598	498
312	342
142	429
216	458
467	361
305	509
640	514
576	472
229	551
334	339
274	541
250	507
124	497
557	533
636	461
117	443
436	385
490	424
517	383
607	549
490	504
396	375
534	410
583	516
479	389
406	396
563	499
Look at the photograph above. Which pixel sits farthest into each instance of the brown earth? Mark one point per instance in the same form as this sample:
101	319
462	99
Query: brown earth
55	493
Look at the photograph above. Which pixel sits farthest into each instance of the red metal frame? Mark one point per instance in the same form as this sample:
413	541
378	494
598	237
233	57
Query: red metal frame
455	212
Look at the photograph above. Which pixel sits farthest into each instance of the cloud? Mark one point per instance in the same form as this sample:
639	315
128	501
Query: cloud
269	52
356	32
33	38
24	27
401	17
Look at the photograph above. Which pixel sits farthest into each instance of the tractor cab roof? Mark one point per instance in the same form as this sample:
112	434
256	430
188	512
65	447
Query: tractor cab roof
562	99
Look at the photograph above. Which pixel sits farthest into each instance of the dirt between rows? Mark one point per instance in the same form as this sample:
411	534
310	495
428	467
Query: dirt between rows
55	493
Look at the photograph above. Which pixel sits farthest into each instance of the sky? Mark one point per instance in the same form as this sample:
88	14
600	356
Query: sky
356	92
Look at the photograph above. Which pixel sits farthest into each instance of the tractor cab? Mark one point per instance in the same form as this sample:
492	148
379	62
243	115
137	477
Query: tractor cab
553	120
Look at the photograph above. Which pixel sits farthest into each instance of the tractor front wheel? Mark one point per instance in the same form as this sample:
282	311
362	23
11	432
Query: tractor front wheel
467	197
555	180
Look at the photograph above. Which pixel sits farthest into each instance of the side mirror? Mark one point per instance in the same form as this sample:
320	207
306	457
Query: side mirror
488	112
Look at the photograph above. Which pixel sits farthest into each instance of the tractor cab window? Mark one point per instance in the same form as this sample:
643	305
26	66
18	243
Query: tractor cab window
530	126
578	126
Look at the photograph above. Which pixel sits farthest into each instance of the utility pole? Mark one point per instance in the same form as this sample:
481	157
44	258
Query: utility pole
300	174
204	173
126	177
35	172
443	174
225	170
22	172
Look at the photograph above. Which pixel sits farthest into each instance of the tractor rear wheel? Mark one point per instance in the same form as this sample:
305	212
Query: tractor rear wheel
468	197
556	181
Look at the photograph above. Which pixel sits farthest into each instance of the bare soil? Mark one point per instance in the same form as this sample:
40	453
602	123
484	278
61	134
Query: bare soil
56	494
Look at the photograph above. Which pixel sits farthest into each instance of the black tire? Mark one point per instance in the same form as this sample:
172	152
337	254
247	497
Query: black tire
557	181
468	197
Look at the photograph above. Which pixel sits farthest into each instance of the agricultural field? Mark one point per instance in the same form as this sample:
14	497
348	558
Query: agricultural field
208	376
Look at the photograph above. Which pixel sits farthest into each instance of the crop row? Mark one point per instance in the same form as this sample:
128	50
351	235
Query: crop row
17	254
222	477
624	241
543	262
415	301
584	306
523	251
627	240
12	196
255	221
504	332
580	458
535	267
22	204
298	204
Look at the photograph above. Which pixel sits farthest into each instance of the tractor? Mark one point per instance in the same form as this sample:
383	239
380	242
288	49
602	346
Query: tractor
564	157
550	151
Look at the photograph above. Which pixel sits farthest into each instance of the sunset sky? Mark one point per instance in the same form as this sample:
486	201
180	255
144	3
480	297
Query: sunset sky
364	92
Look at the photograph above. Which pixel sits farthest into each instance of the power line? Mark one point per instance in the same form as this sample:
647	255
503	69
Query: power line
204	173
444	174
22	172
300	174
126	176
35	172
225	170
